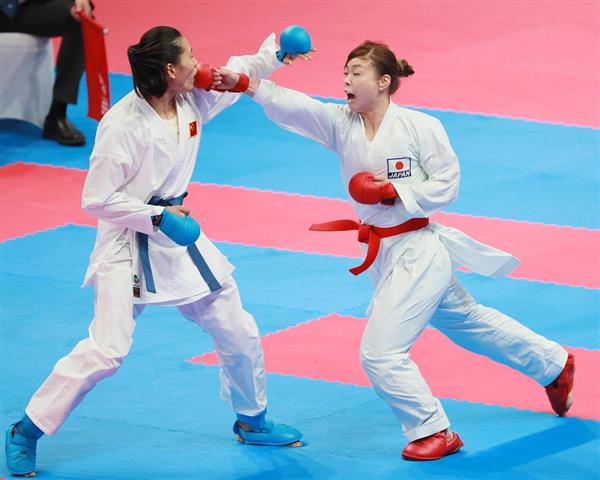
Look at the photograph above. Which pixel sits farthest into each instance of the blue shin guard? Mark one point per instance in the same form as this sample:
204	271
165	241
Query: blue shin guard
20	446
265	432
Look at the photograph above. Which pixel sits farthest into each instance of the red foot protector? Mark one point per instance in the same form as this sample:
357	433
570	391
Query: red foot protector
433	447
558	391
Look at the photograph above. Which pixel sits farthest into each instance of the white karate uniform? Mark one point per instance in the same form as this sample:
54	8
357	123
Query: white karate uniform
135	157
413	272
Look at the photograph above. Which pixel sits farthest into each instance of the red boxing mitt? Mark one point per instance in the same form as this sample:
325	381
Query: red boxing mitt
204	77
364	189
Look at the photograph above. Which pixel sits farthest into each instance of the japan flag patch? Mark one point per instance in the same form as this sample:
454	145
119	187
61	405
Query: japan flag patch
193	129
398	167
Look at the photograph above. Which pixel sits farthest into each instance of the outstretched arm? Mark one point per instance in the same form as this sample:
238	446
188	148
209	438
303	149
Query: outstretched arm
112	166
259	65
297	112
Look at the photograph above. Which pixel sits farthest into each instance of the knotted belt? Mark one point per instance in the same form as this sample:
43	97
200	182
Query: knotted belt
370	235
197	257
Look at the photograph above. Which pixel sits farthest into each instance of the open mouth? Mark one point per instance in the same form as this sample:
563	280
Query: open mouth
350	96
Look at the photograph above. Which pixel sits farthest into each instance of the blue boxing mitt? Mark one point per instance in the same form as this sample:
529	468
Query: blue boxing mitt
293	40
182	230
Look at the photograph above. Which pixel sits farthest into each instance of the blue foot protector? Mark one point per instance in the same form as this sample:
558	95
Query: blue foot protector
265	432
20	447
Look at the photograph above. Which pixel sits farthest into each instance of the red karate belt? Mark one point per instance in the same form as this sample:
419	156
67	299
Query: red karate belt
96	67
370	235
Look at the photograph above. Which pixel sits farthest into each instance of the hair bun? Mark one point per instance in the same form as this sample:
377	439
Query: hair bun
404	69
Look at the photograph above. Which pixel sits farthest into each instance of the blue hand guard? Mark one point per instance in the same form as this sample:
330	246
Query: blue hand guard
182	230
293	40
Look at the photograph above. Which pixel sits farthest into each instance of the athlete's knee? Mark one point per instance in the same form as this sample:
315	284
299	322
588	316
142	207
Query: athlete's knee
242	358
378	360
458	317
238	332
476	315
109	354
236	346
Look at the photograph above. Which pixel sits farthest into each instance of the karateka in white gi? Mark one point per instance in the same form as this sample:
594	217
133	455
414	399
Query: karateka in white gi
399	168
149	250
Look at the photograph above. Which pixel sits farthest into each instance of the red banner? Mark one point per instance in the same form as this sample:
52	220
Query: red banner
96	67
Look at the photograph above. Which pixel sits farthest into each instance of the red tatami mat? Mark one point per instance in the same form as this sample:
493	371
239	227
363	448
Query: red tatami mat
535	59
327	349
548	253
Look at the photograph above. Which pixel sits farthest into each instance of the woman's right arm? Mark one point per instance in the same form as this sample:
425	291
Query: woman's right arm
297	112
112	165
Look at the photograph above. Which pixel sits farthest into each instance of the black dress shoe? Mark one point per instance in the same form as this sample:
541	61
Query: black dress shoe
63	132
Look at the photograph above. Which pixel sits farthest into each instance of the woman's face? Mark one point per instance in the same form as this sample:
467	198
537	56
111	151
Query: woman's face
362	84
185	69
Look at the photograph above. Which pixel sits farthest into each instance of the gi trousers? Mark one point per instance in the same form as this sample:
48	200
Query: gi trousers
420	290
233	331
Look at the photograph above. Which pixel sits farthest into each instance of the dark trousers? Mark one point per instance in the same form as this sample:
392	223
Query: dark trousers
51	18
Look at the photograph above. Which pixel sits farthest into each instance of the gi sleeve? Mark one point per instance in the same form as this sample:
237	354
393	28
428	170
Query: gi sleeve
299	113
111	168
260	65
440	163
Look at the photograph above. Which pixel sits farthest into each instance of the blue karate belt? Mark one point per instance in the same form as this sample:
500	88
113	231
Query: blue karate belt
197	257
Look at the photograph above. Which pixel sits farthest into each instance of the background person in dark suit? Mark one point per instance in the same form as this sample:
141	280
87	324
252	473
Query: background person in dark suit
53	18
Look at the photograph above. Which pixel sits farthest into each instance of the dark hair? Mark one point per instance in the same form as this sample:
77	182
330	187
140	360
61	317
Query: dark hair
158	47
384	60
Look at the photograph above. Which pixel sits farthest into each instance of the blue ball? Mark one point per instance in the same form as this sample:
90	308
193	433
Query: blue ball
295	39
